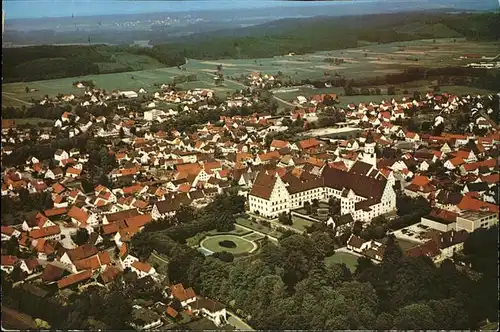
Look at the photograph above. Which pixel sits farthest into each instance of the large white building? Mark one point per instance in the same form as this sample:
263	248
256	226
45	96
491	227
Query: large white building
363	191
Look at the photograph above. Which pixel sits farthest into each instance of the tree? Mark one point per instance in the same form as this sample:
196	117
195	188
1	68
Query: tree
122	133
416	316
224	256
391	90
285	218
27	89
307	207
81	237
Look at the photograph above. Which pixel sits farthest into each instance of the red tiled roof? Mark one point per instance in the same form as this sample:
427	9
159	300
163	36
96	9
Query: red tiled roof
78	214
90	263
73	279
109	274
55	212
172	312
472	204
182	294
145	267
44	232
52	273
9	260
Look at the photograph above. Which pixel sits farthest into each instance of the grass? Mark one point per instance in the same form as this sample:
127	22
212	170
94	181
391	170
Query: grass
254	237
242	245
379	60
300	223
195	240
159	264
349	260
258	227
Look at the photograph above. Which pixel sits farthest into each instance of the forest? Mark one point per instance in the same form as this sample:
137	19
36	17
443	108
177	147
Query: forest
262	41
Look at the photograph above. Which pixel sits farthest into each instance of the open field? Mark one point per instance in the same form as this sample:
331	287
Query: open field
242	245
349	260
379	60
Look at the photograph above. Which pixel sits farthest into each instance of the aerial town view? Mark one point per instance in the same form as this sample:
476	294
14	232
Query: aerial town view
250	165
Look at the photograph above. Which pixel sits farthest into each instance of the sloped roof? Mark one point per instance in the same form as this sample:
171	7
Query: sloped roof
263	185
74	279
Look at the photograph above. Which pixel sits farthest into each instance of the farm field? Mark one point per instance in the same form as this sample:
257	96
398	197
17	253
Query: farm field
371	60
349	260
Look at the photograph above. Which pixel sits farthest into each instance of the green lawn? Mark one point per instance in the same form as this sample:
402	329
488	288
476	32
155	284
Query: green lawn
254	237
195	240
341	257
300	223
258	227
158	261
243	245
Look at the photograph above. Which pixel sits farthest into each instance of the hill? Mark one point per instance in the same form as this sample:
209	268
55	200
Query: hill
270	39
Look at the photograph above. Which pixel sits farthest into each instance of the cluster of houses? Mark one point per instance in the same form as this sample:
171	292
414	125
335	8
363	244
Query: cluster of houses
457	173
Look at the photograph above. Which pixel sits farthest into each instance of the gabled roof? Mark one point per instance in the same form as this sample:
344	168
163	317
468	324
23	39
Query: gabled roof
77	213
74	279
44	232
81	252
52	273
263	185
182	294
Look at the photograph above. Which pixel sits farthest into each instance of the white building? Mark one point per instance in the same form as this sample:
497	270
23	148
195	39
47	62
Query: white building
362	196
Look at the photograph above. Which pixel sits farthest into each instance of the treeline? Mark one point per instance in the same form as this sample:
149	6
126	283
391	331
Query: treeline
32	63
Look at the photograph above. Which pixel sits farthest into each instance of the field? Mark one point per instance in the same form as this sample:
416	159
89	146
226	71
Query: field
367	61
242	245
341	257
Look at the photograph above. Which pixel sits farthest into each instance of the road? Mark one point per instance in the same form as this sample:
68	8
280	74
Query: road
238	323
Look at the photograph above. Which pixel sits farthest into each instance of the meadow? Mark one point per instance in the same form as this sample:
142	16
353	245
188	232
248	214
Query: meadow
361	62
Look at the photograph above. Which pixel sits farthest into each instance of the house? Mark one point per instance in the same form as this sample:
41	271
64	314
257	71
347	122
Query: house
8	232
52	273
72	256
74	279
142	269
8	263
185	296
81	218
60	155
210	309
125	258
47	233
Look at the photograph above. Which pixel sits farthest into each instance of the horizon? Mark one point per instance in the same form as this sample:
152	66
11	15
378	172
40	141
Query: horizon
29	9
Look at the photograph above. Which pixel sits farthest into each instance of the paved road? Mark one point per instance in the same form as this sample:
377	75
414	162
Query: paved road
238	323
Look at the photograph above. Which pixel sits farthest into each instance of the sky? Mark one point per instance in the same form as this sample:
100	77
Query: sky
61	8
65	8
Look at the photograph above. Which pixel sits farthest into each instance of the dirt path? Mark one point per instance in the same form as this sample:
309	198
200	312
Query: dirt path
16	99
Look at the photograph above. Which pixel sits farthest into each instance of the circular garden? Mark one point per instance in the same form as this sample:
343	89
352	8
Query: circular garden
234	244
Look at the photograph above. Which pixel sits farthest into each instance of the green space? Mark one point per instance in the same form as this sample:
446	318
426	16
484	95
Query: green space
300	223
360	63
194	241
258	227
241	245
350	260
159	262
254	237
